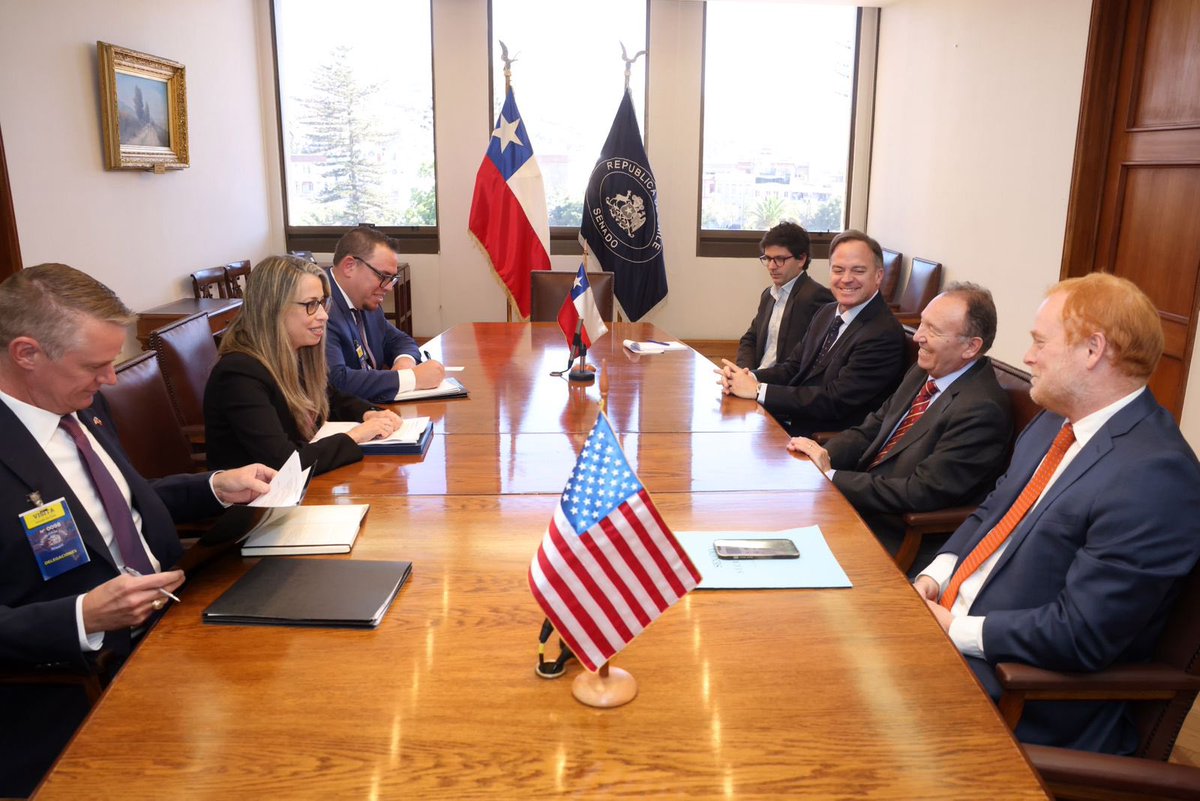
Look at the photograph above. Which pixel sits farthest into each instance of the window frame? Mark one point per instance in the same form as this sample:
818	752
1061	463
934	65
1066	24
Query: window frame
324	238
744	243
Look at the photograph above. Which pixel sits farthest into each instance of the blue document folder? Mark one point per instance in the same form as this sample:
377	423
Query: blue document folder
816	566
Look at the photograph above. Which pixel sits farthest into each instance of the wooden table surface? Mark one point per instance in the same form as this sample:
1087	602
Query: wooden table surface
847	693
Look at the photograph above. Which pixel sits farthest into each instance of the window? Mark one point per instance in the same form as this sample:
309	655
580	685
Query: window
568	78
356	120
778	112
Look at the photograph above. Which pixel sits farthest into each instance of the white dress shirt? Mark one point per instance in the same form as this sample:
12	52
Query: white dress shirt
781	295
406	378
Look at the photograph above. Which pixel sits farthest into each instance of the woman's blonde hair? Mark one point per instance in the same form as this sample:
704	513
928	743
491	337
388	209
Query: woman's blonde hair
259	332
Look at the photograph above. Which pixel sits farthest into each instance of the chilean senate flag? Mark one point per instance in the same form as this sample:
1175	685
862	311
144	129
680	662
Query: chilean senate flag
508	211
580	304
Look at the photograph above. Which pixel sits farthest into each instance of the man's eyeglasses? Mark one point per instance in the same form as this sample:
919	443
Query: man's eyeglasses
311	306
779	260
386	280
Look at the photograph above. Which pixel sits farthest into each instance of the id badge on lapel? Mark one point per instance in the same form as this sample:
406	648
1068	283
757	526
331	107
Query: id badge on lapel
54	538
362	354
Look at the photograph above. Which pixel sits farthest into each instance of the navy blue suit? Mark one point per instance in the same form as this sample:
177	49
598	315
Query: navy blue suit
1090	574
349	373
37	617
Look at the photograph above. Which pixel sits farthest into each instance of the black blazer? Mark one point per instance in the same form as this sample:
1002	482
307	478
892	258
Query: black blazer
805	299
950	457
246	419
856	375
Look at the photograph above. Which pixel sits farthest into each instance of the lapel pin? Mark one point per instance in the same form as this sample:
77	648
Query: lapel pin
96	421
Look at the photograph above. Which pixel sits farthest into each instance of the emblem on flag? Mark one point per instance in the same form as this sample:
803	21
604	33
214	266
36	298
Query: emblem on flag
608	566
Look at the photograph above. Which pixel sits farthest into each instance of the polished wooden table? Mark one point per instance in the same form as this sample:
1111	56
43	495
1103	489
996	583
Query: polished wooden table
848	693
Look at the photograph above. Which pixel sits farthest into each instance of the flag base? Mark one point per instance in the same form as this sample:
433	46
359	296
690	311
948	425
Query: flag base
582	372
611	687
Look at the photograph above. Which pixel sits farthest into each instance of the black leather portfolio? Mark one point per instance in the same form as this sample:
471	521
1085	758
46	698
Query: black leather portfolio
311	592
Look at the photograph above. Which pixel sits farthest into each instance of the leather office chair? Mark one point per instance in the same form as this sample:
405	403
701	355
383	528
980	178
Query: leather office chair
141	411
236	274
943	522
186	354
204	281
549	288
924	282
1160	693
1083	776
893	266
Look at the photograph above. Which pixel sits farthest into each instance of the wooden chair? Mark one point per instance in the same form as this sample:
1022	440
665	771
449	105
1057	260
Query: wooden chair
187	354
203	282
893	266
237	273
1083	776
140	407
549	288
1160	694
924	282
943	522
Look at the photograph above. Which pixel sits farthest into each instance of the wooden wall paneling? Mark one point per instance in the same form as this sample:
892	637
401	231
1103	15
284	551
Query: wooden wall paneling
10	246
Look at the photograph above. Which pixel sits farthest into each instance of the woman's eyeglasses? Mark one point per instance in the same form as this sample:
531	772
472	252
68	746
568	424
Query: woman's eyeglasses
311	306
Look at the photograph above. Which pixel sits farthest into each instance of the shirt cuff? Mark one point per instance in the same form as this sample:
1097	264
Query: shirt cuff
940	570
407	381
213	489
762	393
966	632
87	642
829	473
396	361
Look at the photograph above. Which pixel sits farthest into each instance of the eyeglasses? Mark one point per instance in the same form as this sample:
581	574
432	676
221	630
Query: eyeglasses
779	260
311	306
386	280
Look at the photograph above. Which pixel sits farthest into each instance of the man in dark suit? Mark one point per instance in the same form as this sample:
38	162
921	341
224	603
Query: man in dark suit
849	362
367	355
788	305
1076	558
940	439
61	331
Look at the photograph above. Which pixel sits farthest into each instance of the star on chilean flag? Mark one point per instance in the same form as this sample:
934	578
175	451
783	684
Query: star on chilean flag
508	211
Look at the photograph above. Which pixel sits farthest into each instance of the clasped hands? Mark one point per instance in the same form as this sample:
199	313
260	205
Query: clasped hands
737	381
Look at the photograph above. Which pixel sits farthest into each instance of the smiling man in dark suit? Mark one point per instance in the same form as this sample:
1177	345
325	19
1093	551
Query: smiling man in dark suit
849	361
1076	558
787	306
64	594
940	439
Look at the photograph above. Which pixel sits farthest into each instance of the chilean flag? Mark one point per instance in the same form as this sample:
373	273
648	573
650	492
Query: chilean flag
508	211
580	304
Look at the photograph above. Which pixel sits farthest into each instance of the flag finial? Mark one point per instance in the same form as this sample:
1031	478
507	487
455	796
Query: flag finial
629	62
508	62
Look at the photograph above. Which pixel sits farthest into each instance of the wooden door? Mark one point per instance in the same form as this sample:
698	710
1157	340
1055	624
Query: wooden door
10	249
1135	194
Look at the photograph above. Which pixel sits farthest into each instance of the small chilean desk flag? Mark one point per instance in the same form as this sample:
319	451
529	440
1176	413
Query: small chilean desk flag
580	304
508	210
608	566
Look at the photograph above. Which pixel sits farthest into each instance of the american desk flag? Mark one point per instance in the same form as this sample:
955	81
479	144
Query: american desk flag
508	210
580	304
608	565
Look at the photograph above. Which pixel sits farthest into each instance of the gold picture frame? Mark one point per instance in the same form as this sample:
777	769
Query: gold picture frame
143	105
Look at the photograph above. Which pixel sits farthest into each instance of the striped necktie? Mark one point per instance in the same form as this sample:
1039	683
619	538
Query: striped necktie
919	405
830	336
1016	513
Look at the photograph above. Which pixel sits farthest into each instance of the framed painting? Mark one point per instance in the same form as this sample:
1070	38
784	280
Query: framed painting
143	104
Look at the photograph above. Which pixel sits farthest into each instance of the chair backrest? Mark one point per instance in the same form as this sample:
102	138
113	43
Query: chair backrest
910	347
187	354
549	288
893	265
203	282
1016	385
140	407
237	274
924	282
1159	722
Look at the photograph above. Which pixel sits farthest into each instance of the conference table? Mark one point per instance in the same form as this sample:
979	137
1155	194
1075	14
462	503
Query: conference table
821	693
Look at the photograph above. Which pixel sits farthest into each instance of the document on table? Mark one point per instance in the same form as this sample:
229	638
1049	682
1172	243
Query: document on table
653	346
306	530
408	433
816	567
287	488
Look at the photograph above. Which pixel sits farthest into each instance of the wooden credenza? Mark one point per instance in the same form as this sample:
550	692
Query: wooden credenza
221	312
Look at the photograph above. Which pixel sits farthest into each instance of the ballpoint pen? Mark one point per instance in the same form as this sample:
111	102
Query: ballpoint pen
133	572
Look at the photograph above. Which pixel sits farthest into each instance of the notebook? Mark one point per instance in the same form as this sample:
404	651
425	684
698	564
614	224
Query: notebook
296	530
412	437
449	388
653	346
311	592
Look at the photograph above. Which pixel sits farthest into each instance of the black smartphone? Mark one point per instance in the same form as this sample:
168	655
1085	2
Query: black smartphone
756	549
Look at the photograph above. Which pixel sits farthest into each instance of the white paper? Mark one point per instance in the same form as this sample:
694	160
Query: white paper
409	432
654	347
816	566
287	488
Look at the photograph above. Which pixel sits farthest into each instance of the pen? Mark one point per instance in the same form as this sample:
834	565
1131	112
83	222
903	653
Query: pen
427	356
133	572
656	342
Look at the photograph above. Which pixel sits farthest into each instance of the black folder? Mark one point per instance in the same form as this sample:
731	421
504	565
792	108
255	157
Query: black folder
311	592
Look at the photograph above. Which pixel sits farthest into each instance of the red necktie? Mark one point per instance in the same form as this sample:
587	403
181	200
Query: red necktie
115	508
919	405
1016	513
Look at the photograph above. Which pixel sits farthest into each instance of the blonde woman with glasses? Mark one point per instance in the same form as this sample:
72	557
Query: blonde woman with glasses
269	394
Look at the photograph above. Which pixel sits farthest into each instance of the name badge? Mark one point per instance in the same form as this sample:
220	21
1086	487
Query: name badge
54	538
362	355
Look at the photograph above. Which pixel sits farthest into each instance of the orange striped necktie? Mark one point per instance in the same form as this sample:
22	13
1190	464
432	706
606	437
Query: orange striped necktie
919	405
1016	513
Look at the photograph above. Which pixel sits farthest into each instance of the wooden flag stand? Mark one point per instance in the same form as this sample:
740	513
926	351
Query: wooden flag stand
609	687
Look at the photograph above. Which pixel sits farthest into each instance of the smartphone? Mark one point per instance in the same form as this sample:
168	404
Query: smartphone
756	549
